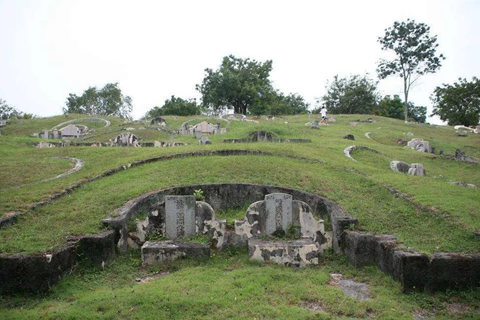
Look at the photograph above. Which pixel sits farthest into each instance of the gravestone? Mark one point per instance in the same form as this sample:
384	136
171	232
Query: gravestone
45	134
462	133
198	134
278	208
55	134
205	140
179	216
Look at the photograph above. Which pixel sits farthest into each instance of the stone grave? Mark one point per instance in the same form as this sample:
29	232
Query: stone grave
198	134
70	131
277	214
179	216
419	144
126	140
415	169
205	140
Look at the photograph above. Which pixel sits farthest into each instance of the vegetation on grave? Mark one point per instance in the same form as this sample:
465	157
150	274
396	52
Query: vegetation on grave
442	224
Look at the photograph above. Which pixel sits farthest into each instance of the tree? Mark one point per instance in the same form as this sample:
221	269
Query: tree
356	94
8	112
394	108
458	103
238	84
415	54
175	106
108	101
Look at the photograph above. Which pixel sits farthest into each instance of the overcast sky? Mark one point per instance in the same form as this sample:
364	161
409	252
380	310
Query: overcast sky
155	49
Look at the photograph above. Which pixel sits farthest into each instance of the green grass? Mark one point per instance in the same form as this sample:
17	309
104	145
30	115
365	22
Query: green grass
229	286
439	217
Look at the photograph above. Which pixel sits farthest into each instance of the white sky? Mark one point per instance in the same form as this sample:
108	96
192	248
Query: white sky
155	49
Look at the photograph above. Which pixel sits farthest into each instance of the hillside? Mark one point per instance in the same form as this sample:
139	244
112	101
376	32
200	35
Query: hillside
427	213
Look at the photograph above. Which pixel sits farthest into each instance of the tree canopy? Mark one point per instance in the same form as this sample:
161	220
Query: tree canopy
175	106
415	52
108	101
458	103
355	94
238	83
394	108
9	112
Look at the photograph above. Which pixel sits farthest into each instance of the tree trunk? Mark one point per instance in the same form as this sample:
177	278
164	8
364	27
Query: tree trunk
405	91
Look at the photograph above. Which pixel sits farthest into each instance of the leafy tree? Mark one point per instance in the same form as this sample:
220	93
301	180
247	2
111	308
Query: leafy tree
8	112
394	108
458	103
108	101
415	54
238	83
356	94
175	106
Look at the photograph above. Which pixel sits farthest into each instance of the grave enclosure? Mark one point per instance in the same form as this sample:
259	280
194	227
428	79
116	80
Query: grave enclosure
271	208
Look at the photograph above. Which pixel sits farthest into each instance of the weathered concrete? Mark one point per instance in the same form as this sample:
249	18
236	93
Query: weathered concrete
293	252
154	253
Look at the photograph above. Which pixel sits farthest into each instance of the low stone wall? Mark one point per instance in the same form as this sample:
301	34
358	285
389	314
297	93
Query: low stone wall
40	271
413	269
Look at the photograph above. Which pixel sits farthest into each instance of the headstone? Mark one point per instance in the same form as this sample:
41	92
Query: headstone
45	134
157	144
179	216
70	131
278	208
55	134
205	140
416	169
198	134
462	133
205	127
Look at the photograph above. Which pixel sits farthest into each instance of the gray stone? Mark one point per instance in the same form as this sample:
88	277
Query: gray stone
45	134
399	166
357	290
416	169
205	140
419	145
126	140
278	207
70	131
409	134
154	253
179	216
294	252
55	134
198	134
462	133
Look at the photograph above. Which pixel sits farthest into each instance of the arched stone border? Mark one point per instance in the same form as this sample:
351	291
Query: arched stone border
79	163
350	149
233	152
223	196
205	119
367	134
107	123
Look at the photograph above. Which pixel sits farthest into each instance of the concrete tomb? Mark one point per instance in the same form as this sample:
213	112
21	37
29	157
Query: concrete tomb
419	144
279	214
415	169
126	140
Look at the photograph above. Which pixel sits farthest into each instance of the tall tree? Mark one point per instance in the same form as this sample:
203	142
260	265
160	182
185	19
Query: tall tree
415	52
356	94
108	101
458	103
175	106
238	84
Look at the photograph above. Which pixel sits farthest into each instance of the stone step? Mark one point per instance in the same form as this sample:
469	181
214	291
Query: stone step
155	253
289	252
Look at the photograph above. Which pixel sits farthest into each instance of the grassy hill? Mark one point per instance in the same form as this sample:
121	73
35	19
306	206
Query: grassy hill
431	216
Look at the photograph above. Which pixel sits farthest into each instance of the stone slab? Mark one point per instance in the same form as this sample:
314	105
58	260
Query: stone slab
294	252
179	216
155	253
278	208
